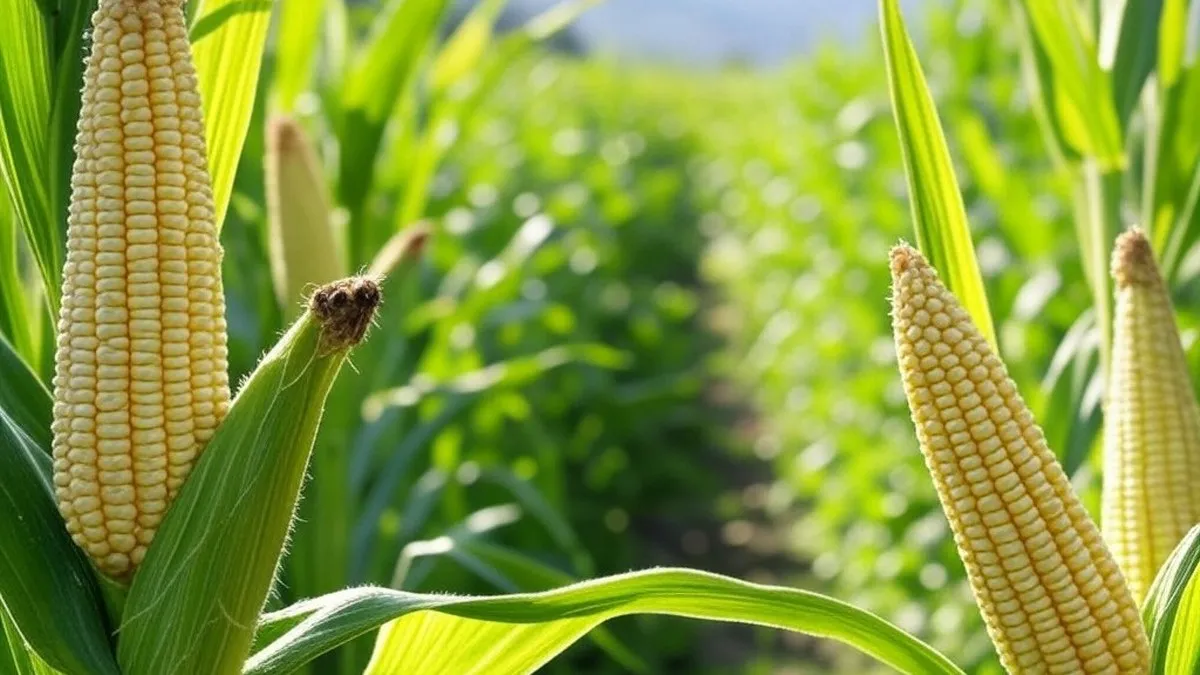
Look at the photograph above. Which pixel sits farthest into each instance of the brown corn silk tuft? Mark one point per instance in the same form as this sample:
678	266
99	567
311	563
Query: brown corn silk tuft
141	378
1151	494
1052	596
345	310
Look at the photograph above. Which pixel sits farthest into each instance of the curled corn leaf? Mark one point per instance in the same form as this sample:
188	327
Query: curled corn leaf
1052	596
140	371
1151	494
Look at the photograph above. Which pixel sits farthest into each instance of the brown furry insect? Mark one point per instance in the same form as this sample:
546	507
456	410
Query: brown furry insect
345	309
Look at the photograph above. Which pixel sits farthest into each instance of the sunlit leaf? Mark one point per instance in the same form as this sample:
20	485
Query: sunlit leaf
519	633
939	218
228	39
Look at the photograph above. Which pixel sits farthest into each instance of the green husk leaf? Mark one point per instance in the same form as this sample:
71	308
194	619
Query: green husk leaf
519	633
196	598
45	582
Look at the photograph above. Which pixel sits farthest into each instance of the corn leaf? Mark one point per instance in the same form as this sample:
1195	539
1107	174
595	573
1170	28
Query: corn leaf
1083	98
23	397
940	221
1038	74
18	321
519	633
194	602
514	372
1172	159
15	657
380	72
298	36
1071	412
1129	49
228	39
1172	610
512	572
40	76
45	583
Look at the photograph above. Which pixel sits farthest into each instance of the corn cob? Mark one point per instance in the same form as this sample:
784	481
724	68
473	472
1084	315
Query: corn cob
1151	494
140	371
1052	596
301	240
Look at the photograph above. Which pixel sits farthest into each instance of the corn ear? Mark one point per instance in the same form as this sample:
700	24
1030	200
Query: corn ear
140	379
195	602
1052	596
301	243
1151	495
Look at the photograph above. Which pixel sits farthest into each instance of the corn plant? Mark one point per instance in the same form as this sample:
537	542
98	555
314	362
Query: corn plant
981	449
173	501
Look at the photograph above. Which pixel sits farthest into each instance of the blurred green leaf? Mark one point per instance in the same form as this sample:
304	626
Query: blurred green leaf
1083	98
383	68
1171	610
40	79
1129	48
44	570
299	36
535	627
513	372
18	320
940	221
228	39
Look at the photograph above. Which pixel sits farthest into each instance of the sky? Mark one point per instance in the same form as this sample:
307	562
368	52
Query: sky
711	31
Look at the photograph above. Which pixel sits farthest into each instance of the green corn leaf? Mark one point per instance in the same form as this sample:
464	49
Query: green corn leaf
195	599
379	73
228	39
512	572
461	54
18	322
940	221
15	657
1083	91
1172	157
519	633
514	372
1071	412
24	398
1038	75
1129	49
298	37
1172	610
40	77
45	582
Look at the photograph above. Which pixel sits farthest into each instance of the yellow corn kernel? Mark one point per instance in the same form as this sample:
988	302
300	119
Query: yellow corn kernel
140	371
1051	594
1151	494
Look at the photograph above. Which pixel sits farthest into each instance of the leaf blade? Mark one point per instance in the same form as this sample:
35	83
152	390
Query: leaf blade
939	218
516	633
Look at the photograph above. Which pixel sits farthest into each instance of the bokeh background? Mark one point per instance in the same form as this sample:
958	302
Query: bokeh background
651	323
